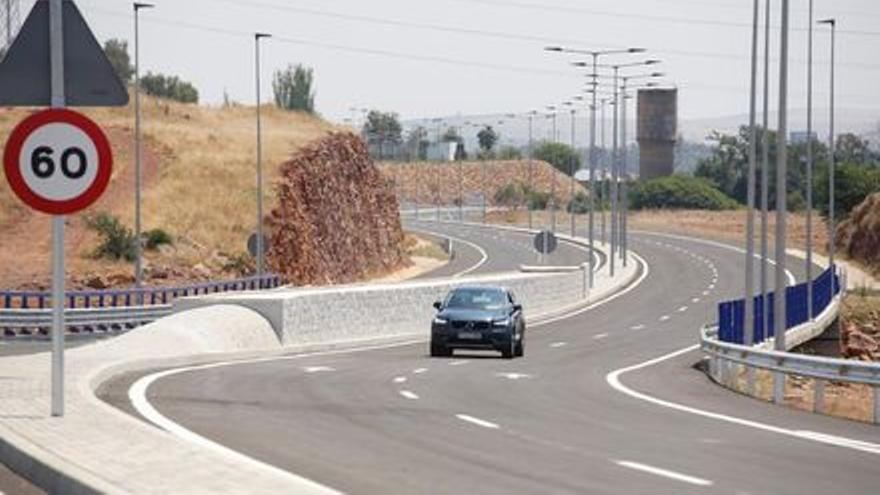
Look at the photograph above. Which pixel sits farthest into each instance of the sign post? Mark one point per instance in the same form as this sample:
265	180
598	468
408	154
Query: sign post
58	161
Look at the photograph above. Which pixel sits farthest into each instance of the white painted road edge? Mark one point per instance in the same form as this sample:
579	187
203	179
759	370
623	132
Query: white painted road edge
613	379
477	421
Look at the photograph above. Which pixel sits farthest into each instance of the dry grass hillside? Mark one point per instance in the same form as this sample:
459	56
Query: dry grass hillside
425	179
199	173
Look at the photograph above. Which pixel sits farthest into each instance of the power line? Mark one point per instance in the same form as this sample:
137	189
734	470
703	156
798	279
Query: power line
493	34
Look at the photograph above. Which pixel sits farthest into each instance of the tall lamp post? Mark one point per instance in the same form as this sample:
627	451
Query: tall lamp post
531	166
139	249
553	204
749	299
571	170
260	239
809	260
832	226
779	315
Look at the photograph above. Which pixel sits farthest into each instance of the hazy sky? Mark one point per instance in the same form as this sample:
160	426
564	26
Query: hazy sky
397	54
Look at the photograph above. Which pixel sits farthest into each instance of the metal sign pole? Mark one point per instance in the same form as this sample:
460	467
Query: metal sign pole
56	51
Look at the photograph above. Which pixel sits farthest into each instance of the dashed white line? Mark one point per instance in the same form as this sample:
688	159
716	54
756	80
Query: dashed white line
477	421
695	300
600	336
665	318
706	292
637	327
682	309
419	371
513	376
557	345
460	362
317	369
400	379
408	395
684	478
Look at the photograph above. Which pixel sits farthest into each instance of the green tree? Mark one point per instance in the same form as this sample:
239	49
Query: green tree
487	137
851	148
562	156
853	183
293	88
417	143
170	87
383	129
117	52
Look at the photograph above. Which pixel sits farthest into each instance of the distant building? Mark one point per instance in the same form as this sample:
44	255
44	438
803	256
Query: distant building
657	132
800	137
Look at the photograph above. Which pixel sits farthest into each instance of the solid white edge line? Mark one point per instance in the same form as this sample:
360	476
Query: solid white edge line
693	480
613	379
478	421
408	395
483	254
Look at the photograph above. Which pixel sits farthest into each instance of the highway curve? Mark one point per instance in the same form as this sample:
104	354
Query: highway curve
561	420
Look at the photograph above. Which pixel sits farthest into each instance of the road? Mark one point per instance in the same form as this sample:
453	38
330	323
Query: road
564	419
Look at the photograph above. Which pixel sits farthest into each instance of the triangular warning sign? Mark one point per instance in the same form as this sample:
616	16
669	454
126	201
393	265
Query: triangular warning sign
89	79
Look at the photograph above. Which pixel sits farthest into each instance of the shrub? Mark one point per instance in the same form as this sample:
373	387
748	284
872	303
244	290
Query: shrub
170	87
679	192
157	237
117	240
562	156
509	153
537	200
511	195
853	183
580	204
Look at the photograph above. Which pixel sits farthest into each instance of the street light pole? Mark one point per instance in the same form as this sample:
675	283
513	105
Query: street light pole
781	205
138	246
602	184
765	175
809	260
531	167
571	171
592	226
625	174
749	319
260	247
553	204
614	176
832	142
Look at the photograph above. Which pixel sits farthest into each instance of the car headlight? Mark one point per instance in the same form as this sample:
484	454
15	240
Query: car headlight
501	323
440	321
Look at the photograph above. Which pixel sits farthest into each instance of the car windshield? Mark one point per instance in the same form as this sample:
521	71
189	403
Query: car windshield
487	299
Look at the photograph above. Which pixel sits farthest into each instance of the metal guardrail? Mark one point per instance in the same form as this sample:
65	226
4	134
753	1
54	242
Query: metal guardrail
28	313
821	369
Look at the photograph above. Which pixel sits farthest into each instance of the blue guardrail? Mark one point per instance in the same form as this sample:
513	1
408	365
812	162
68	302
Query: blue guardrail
731	314
148	296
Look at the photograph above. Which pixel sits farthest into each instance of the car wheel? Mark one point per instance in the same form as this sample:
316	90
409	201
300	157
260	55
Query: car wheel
438	350
510	351
520	348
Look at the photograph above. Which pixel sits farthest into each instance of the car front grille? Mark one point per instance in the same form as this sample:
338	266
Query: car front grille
465	325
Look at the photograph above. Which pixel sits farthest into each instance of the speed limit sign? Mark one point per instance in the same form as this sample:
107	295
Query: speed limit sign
58	161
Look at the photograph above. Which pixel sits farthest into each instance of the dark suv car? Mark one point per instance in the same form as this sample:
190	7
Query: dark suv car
483	318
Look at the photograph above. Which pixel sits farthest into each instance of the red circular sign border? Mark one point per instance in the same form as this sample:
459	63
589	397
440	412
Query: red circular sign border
57	115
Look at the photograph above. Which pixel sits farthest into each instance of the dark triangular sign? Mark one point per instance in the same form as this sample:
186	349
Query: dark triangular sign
89	78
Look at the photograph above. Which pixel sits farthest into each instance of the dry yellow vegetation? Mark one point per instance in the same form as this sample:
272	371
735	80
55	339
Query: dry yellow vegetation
200	185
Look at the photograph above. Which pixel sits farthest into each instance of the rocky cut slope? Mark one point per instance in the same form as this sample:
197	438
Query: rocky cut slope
337	219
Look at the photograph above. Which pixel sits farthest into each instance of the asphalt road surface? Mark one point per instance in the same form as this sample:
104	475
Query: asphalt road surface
606	401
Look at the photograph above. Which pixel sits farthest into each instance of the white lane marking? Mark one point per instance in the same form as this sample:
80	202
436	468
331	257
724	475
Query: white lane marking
317	369
459	362
695	300
665	318
600	336
791	278
513	376
684	478
419	371
477	421
682	309
557	345
637	327
613	379
706	292
408	395
400	379
712	287
484	256
645	272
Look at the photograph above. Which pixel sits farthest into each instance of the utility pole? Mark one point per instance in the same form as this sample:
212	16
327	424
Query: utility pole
614	175
624	174
260	237
531	167
765	176
809	260
749	319
832	143
781	205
